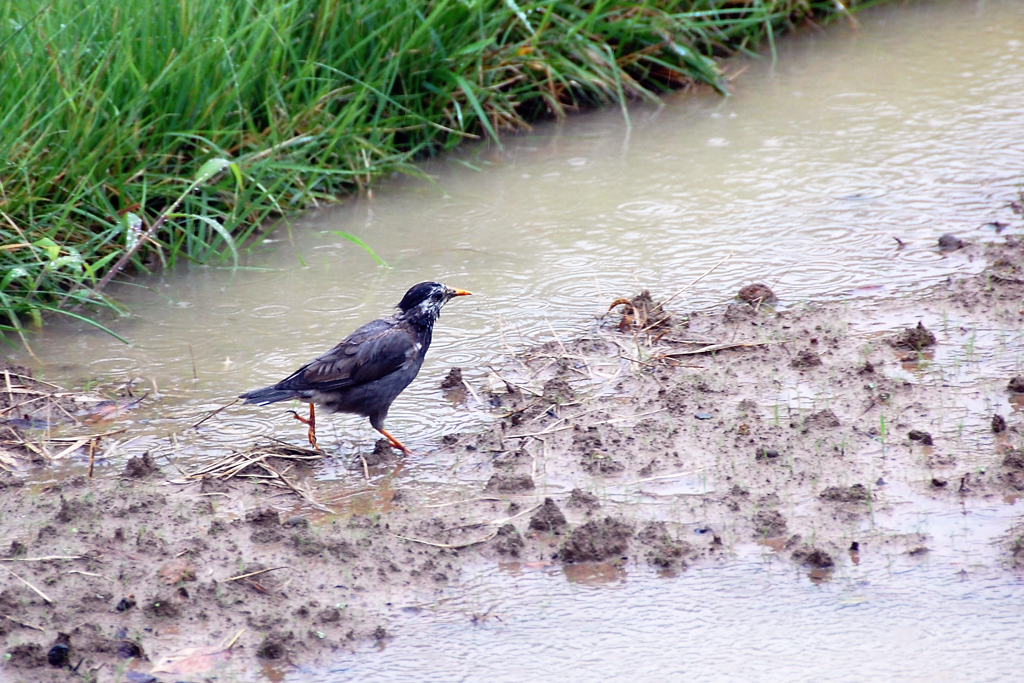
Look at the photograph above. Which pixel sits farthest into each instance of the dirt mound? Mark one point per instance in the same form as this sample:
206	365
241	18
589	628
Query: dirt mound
453	379
509	483
508	541
548	518
813	557
557	390
596	541
769	523
922	437
757	293
664	551
823	419
579	498
140	467
806	359
858	493
914	339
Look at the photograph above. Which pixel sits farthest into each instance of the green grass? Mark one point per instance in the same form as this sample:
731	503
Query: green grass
140	133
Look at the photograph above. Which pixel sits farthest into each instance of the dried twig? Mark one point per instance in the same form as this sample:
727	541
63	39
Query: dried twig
711	348
449	546
261	571
223	407
40	593
22	623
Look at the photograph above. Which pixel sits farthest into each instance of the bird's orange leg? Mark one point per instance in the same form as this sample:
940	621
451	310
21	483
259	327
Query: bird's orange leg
312	425
395	443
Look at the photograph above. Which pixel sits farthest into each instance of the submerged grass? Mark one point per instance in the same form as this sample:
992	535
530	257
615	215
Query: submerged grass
139	133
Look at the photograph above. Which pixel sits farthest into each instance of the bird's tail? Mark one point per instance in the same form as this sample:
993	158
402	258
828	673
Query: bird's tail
268	395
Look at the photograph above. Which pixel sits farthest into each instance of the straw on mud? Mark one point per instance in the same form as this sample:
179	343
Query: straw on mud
74	447
261	571
721	347
449	546
305	495
78	571
22	623
40	593
663	476
481	499
67	439
471	391
230	643
45	558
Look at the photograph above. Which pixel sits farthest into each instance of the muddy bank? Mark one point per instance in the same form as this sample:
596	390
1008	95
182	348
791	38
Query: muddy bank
662	437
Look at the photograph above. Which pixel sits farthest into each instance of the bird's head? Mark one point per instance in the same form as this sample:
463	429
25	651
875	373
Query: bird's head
427	298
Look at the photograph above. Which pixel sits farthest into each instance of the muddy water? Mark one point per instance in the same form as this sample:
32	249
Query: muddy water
908	128
748	621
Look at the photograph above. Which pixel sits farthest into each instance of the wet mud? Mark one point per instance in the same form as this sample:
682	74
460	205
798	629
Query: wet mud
661	437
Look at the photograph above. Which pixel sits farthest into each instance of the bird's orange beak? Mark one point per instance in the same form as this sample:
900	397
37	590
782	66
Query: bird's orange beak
460	292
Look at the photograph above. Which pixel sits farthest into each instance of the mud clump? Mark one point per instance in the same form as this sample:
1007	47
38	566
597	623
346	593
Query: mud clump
382	453
924	438
508	541
806	359
26	656
596	541
914	339
665	551
757	293
548	518
858	493
998	424
813	557
579	498
1014	460
950	242
769	524
601	464
509	483
1016	385
765	453
72	510
557	391
273	647
263	517
161	607
453	379
823	419
140	467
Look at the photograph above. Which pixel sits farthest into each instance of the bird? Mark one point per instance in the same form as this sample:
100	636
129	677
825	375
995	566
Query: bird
366	372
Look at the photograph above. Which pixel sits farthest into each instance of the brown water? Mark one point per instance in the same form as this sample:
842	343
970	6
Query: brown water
908	128
911	127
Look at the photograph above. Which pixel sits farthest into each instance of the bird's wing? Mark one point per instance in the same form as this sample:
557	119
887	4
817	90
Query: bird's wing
373	351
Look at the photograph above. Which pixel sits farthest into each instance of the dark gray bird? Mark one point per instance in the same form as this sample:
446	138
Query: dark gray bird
367	371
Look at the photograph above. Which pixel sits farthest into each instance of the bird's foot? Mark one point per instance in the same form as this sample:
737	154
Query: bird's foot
395	443
311	421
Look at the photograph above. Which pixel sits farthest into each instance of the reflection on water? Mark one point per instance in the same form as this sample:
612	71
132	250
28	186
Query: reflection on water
903	618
